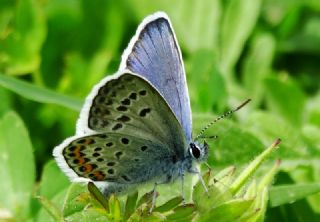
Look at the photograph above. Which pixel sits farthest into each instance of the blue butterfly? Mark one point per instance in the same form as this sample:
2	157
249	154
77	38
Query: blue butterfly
135	126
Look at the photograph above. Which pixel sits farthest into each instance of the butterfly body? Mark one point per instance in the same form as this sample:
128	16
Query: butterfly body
135	126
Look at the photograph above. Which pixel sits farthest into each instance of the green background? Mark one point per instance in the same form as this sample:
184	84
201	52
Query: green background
53	52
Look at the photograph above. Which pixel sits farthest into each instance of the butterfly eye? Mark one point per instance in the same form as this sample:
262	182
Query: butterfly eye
195	151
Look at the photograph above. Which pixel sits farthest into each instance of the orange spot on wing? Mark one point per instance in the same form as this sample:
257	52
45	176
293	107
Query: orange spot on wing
88	141
88	168
81	161
77	151
99	175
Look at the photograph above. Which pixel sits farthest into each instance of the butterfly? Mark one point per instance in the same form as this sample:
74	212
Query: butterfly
135	126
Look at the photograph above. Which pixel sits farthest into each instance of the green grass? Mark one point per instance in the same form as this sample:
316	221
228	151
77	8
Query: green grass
53	52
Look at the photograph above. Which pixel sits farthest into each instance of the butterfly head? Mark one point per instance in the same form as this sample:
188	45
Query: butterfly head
199	151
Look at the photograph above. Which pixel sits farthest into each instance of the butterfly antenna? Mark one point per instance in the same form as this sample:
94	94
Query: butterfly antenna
208	137
221	117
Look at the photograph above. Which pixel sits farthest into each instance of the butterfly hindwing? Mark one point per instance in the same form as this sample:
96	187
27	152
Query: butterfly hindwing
115	157
154	54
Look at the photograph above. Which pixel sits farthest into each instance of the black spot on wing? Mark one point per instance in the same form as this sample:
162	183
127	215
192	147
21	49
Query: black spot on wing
144	112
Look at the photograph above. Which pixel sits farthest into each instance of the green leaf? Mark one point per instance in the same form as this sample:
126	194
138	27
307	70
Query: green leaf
267	126
204	74
17	168
130	204
223	178
257	66
182	212
255	214
96	193
154	217
260	194
278	92
204	29
311	133
299	211
6	101
114	206
306	39
58	200
47	188
76	199
238	22
251	168
22	46
229	211
284	194
169	205
92	60
260	206
51	208
146	198
38	94
268	177
215	196
88	215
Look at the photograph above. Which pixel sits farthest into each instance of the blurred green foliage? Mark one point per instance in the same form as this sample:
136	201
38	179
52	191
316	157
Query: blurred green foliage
53	52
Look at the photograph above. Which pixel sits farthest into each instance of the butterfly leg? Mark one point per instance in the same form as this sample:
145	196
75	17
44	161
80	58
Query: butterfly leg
196	171
154	191
154	195
181	173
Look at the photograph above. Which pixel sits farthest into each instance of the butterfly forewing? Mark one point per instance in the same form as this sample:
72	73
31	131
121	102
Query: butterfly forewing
130	105
154	54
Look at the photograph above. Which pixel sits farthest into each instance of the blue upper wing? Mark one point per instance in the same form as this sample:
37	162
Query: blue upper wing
155	54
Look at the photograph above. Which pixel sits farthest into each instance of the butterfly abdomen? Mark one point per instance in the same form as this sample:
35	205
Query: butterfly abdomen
172	168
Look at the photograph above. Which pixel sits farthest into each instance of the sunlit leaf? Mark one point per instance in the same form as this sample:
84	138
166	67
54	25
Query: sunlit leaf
96	193
76	199
169	205
130	204
49	189
38	94
238	22
17	168
286	98
21	47
284	194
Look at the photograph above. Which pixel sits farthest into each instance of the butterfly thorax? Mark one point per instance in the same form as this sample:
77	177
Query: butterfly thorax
175	167
167	169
